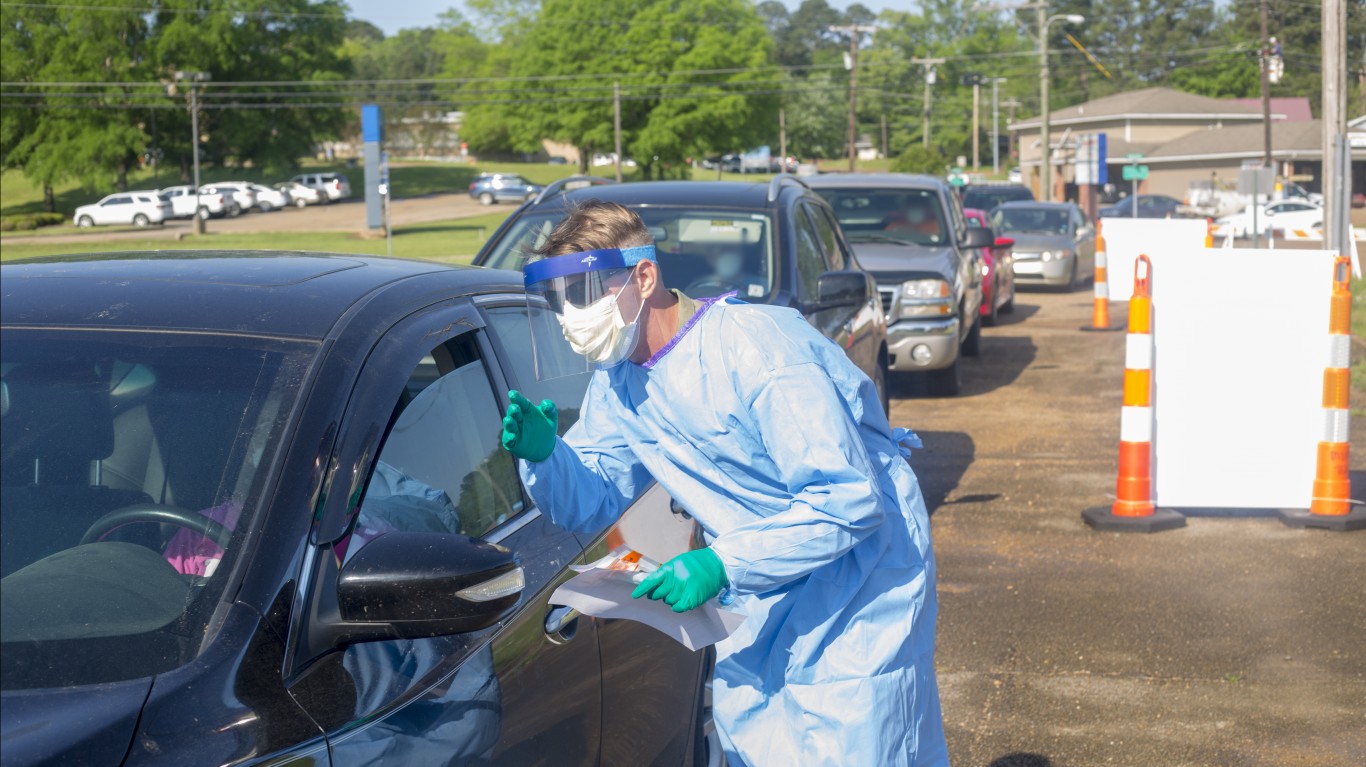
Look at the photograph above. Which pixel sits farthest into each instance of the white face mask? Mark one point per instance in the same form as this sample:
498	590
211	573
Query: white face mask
599	332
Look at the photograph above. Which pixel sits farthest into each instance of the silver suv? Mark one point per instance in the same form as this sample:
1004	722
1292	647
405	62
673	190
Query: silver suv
333	186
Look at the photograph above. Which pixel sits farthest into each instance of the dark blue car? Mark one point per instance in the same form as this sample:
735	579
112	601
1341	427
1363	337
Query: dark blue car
489	188
255	511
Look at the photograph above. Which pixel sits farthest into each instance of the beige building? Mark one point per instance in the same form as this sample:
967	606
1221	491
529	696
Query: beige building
1184	138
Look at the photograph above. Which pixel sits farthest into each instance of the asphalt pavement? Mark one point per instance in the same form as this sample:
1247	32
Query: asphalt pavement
1232	641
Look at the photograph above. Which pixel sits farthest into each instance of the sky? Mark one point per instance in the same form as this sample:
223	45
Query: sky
391	16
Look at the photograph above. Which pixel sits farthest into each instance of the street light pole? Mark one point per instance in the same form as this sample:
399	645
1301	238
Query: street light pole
1046	163
995	129
854	30
195	78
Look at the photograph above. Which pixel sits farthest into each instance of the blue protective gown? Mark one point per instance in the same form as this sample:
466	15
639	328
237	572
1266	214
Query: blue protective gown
777	445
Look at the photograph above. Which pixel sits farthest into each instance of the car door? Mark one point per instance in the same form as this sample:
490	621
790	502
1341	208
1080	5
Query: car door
115	210
1085	238
860	337
651	685
420	446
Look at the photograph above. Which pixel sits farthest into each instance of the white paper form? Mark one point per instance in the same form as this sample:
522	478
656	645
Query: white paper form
603	590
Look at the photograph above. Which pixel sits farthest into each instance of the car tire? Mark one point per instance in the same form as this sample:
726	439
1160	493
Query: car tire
266	207
991	317
234	210
85	222
203	213
972	345
301	203
140	220
485	199
945	382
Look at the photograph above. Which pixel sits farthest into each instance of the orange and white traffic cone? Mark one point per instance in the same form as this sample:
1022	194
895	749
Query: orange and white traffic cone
1209	232
1100	311
1133	509
1331	505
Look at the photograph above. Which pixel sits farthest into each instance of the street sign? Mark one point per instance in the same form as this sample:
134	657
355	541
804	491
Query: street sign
957	177
1091	160
1134	156
1135	172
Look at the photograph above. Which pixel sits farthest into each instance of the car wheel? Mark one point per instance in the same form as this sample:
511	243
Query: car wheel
1071	278
140	220
203	213
972	345
1009	306
945	382
301	203
85	222
989	319
485	199
266	207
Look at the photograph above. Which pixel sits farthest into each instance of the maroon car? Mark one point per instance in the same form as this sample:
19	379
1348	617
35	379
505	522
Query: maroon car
998	283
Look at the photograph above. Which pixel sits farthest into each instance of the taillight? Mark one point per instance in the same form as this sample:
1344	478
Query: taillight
471	187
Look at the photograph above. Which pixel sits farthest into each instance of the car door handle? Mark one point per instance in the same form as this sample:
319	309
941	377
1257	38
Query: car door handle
561	623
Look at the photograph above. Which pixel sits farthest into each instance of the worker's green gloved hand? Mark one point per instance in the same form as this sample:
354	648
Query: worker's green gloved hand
686	581
529	430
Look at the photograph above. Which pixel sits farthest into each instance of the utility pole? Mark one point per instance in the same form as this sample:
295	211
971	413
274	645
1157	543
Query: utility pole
1046	158
929	65
1264	62
855	32
1012	104
616	125
884	134
995	129
975	80
782	140
1336	203
194	79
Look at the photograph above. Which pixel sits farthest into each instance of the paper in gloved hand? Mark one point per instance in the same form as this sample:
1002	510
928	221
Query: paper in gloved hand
603	590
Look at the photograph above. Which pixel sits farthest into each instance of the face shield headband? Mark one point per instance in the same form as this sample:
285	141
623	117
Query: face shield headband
556	267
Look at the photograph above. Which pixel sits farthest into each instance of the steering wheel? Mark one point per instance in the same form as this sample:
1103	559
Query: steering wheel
710	285
158	512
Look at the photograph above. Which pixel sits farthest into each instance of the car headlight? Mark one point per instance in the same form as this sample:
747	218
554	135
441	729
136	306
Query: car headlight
926	298
1055	255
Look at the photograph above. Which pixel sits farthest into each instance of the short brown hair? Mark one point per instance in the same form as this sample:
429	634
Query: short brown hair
594	225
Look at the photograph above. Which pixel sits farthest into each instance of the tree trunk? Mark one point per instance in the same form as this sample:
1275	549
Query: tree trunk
49	200
185	171
121	182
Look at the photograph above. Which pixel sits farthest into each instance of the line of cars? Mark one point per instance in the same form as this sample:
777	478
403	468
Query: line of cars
146	207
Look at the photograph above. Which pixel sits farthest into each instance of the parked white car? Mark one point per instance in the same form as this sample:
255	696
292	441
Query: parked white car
301	195
238	191
334	186
140	208
184	204
268	199
1285	214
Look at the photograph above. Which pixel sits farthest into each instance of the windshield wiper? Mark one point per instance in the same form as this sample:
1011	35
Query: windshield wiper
874	237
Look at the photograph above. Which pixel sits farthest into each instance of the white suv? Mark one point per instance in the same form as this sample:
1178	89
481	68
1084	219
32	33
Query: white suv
268	199
334	186
238	192
183	203
137	208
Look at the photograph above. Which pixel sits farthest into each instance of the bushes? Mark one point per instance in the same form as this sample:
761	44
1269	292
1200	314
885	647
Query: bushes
918	159
25	222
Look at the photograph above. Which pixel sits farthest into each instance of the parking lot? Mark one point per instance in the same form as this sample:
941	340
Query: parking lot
1233	641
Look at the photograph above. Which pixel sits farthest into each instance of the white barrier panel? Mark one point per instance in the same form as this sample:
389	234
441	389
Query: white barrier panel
1240	341
1128	238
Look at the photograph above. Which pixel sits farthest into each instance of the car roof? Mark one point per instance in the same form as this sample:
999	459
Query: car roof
876	180
718	194
1037	204
295	294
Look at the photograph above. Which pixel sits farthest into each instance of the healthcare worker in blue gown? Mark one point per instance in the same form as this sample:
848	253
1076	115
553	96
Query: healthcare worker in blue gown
777	445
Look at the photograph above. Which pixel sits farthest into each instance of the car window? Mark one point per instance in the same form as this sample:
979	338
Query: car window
441	468
512	327
701	251
121	200
825	234
97	422
911	215
810	260
1030	219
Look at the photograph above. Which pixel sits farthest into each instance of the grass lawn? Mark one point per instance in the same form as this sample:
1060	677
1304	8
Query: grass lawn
453	242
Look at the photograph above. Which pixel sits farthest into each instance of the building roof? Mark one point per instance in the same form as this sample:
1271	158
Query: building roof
1149	104
1289	140
1295	108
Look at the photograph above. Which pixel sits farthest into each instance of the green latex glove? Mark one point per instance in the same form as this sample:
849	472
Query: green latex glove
686	581
529	430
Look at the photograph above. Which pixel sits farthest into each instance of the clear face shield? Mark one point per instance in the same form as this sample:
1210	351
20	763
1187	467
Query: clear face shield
584	310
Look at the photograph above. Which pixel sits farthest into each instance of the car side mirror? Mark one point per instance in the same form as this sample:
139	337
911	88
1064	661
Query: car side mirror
841	289
1004	242
977	238
404	585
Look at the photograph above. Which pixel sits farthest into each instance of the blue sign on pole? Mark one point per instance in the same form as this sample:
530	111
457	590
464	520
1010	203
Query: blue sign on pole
1102	160
370	125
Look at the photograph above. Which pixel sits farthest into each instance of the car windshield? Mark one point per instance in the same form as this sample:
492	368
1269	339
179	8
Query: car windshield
702	252
1032	220
986	199
133	462
912	216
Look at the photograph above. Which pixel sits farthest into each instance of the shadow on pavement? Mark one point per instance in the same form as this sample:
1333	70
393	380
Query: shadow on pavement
1002	360
940	465
1021	759
1022	312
